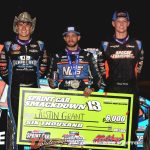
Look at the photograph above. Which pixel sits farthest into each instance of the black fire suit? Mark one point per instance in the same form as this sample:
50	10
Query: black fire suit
122	64
86	72
22	65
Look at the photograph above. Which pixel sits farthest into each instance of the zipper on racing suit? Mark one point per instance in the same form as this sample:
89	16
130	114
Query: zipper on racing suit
25	57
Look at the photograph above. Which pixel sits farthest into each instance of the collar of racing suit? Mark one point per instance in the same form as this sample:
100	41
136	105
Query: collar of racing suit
23	42
73	52
122	41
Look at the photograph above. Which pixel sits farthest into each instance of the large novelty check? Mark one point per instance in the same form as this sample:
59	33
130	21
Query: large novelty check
68	119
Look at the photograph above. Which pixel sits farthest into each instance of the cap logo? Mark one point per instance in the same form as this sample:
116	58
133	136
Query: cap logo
70	28
121	14
118	14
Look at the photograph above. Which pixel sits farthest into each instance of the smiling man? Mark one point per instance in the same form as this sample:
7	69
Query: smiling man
123	58
22	62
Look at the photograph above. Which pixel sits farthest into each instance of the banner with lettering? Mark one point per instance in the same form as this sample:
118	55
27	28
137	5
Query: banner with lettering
66	118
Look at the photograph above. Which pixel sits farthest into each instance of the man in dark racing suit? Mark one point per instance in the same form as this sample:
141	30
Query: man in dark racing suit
122	59
22	62
74	68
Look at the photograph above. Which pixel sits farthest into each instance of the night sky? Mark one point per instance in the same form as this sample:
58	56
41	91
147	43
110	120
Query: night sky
92	18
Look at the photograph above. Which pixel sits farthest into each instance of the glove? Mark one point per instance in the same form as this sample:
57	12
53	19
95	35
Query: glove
88	91
101	90
52	83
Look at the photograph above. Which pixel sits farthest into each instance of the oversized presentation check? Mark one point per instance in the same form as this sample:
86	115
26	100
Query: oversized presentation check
66	118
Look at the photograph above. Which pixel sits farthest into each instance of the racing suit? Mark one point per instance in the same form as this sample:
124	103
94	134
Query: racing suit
122	63
87	72
21	65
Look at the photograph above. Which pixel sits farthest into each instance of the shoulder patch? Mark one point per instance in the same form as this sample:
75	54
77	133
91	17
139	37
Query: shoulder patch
139	43
7	45
104	45
41	44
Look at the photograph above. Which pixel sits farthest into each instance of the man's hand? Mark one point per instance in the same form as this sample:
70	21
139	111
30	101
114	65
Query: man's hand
88	91
51	83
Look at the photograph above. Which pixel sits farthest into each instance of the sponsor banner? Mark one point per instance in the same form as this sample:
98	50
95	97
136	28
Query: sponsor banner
3	128
68	119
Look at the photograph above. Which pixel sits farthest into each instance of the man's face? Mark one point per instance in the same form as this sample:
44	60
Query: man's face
71	39
24	29
121	24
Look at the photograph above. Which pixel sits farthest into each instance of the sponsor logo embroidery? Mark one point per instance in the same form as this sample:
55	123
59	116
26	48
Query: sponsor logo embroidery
33	45
15	47
122	54
130	46
67	70
33	50
114	46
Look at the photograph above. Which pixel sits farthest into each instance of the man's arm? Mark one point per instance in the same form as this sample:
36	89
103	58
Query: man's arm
140	59
4	61
95	74
52	74
101	62
44	61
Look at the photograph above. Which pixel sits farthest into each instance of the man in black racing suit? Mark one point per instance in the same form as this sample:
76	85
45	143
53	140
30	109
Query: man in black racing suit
73	68
22	62
122	59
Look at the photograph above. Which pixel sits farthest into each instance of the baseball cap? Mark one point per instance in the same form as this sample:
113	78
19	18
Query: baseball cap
71	29
118	14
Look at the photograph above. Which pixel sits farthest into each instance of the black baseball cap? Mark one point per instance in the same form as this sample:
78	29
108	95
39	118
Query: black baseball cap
118	14
71	29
